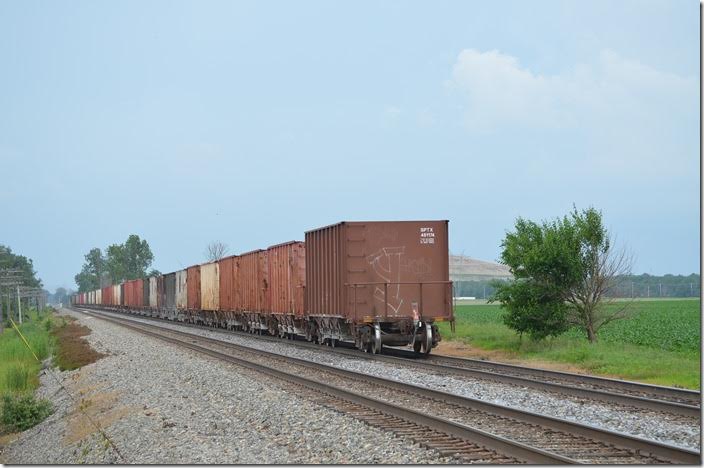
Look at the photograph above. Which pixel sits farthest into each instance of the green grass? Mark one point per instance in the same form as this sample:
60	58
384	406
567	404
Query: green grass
19	369
658	343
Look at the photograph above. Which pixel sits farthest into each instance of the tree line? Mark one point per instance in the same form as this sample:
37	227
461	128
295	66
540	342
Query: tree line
118	263
643	285
12	261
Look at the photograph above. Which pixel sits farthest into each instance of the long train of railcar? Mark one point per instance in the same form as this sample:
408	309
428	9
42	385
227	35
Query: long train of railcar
374	283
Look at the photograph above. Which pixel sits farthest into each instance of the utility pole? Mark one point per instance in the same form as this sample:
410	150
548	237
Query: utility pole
648	290
19	304
660	284
632	296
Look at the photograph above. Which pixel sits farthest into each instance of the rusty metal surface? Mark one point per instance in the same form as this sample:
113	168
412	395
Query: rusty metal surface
228	285
181	289
133	293
152	292
106	296
170	291
379	270
160	293
252	282
145	292
138	296
210	286
287	278
193	287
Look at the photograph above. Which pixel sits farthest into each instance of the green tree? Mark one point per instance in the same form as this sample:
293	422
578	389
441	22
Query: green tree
11	261
130	260
92	272
564	270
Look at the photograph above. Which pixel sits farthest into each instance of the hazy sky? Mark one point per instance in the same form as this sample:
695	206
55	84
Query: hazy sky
252	122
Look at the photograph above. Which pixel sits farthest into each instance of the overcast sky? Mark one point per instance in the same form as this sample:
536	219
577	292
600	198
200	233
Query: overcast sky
252	122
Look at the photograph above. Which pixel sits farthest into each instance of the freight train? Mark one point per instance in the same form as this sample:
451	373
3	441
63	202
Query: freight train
380	283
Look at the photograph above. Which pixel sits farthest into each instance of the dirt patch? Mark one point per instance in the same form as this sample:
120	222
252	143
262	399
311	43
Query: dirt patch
93	406
73	351
459	349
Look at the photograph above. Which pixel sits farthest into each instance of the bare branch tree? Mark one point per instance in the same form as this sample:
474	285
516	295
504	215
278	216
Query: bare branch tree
216	250
592	304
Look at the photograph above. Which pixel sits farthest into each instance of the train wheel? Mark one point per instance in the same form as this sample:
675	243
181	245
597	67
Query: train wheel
376	340
417	345
427	341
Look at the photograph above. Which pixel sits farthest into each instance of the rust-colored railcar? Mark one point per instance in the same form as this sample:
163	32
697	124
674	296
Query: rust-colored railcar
193	286
286	288
287	278
252	300
107	296
228	286
252	282
160	292
122	294
133	293
379	282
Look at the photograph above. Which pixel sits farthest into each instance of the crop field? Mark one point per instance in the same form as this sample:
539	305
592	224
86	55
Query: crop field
658	343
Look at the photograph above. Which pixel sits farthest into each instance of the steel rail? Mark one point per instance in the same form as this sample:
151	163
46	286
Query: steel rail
620	440
474	436
626	385
651	404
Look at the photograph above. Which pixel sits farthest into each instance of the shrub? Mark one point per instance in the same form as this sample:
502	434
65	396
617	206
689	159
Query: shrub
22	412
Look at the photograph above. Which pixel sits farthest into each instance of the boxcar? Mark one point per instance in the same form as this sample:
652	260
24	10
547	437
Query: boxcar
210	286
107	296
181	290
378	283
228	291
160	295
286	287
170	295
193	292
252	282
152	293
145	292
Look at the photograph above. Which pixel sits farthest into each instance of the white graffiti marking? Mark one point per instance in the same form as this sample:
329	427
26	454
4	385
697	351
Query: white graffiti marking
387	264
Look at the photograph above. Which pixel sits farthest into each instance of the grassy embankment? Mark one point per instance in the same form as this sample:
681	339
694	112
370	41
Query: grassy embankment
19	371
47	335
659	343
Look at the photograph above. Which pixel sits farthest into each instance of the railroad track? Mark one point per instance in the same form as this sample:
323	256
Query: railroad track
681	402
506	433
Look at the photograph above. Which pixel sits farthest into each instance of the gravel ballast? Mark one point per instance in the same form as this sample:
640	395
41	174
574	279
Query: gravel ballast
648	425
160	404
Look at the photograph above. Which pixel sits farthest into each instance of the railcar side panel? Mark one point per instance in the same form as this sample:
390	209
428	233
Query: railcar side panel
193	285
210	286
228	286
152	292
286	268
381	270
170	291
252	282
181	289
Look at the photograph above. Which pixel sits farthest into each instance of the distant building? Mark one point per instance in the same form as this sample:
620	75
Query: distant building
469	269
